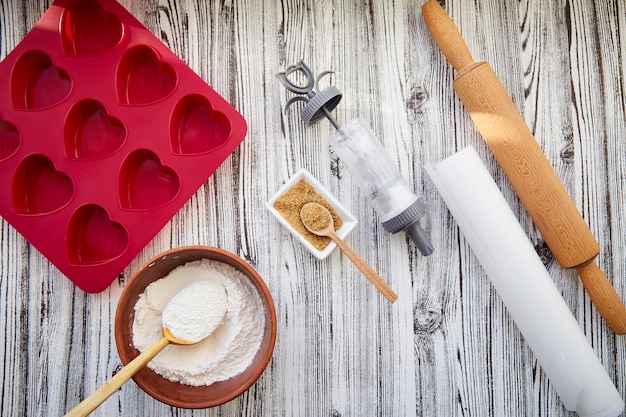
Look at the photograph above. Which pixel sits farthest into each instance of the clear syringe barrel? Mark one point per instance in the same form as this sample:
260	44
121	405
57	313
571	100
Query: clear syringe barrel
398	207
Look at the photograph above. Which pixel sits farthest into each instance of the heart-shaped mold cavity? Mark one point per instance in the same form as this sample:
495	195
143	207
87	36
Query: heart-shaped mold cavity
142	78
92	237
39	188
90	132
36	83
145	183
195	127
87	29
9	139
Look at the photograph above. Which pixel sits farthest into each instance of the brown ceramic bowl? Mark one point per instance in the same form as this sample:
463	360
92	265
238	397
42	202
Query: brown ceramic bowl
174	393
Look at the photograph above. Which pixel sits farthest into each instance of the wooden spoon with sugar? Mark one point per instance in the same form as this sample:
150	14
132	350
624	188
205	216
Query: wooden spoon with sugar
318	220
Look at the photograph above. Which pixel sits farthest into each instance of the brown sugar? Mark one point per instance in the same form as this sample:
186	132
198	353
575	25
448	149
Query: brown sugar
290	203
315	217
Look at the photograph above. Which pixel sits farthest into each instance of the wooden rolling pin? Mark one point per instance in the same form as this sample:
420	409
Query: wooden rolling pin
529	171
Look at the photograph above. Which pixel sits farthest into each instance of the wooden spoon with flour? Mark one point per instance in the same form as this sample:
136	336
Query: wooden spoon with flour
189	317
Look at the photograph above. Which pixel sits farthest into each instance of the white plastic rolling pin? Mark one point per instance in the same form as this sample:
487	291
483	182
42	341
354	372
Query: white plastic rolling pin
524	285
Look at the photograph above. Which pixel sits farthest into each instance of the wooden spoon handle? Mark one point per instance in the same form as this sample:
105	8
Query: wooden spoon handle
446	35
94	400
367	270
604	297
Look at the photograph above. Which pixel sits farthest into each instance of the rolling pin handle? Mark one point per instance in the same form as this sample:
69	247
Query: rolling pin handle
603	296
446	35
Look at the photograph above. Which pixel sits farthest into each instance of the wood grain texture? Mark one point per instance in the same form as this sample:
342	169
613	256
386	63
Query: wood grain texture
447	347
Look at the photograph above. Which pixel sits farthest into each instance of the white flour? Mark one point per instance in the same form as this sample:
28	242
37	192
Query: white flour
196	311
228	351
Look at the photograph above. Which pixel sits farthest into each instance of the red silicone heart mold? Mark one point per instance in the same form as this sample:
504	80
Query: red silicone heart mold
39	188
90	132
92	237
104	135
145	183
142	78
9	139
36	83
196	127
86	28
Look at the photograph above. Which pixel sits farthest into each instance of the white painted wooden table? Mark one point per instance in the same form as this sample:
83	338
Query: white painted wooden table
447	347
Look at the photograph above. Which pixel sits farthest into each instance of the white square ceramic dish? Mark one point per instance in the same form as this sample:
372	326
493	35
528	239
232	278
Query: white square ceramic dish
349	221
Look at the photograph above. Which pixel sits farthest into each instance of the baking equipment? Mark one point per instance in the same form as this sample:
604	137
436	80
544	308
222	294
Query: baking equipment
524	285
398	207
533	178
104	135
